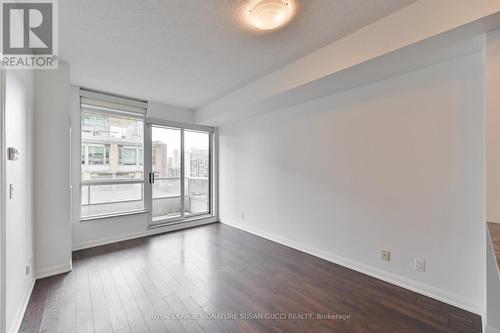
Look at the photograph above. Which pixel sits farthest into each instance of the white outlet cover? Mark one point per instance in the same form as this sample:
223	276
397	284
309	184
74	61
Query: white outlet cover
419	265
385	255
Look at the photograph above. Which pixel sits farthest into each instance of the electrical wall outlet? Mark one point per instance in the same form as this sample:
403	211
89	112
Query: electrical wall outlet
419	265
385	255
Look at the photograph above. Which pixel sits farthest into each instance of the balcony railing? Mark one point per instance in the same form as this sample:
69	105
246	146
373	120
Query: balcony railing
105	199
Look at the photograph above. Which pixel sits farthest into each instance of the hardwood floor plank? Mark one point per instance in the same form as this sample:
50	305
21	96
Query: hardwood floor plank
84	316
157	283
100	311
207	325
115	308
126	297
179	309
144	304
34	312
136	321
161	306
52	312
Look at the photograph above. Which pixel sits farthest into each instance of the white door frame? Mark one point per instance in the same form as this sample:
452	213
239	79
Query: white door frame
2	203
213	197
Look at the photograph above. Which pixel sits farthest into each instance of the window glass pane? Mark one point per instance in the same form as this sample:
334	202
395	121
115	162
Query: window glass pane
169	187
141	157
129	156
166	147
107	154
166	198
83	154
110	151
111	199
196	172
166	144
112	146
96	155
84	195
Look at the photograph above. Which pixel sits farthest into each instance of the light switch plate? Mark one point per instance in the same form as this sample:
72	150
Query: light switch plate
12	153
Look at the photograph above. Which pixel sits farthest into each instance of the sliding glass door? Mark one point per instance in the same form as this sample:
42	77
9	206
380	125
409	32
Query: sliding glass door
180	175
165	176
196	172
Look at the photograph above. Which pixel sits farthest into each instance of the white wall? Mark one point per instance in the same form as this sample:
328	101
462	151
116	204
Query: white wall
492	80
52	172
396	164
107	230
492	77
171	113
19	217
493	288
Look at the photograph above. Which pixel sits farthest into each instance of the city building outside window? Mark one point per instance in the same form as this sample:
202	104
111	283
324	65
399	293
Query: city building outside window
112	171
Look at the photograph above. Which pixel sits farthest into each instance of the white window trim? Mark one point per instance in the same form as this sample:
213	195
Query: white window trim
3	187
76	157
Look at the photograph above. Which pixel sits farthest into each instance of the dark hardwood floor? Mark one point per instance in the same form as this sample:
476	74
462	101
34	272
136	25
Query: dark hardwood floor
151	285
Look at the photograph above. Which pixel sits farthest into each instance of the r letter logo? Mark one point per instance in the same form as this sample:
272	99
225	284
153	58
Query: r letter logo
29	34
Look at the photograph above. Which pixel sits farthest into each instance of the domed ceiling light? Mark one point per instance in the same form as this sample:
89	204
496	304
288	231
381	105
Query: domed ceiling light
269	14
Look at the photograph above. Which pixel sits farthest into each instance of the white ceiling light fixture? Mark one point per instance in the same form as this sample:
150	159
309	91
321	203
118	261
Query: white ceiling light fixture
269	14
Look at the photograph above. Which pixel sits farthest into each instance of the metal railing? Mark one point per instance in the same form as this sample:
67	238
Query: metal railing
189	191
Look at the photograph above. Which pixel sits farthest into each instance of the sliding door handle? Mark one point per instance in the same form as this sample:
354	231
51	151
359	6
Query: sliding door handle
152	176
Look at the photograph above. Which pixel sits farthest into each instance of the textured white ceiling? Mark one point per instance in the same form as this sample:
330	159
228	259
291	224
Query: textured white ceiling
189	52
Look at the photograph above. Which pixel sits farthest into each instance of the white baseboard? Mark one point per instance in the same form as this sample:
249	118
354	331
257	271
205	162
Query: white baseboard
143	233
491	329
400	281
18	318
54	270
